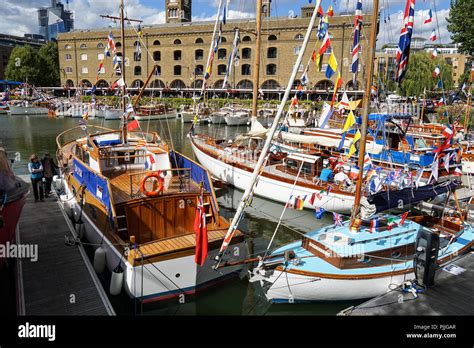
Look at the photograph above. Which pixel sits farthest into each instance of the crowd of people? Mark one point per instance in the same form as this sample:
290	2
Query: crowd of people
42	172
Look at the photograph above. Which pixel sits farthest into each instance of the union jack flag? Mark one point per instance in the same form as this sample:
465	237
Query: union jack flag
403	50
337	219
356	45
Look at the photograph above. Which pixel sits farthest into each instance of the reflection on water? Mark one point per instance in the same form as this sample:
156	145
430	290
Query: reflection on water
37	134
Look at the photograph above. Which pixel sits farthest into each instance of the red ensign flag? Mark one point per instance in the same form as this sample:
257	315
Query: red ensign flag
200	227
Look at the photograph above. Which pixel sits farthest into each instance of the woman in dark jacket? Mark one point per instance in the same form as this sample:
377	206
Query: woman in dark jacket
50	169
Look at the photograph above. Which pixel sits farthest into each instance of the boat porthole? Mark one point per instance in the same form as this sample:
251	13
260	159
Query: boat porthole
177	275
396	254
366	259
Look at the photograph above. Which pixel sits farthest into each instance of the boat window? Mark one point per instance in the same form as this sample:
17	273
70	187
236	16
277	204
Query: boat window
290	163
307	168
420	143
396	255
366	259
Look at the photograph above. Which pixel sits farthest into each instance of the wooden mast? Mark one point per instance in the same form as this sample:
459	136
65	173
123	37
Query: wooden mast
366	103
256	72
468	106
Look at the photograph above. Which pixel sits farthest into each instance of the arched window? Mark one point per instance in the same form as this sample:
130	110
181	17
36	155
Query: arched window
118	44
270	84
137	71
246	70
177	55
271	52
246	53
137	84
177	70
199	40
353	87
272	38
299	37
157	56
178	84
102	84
222	53
199	54
177	42
271	69
69	83
245	84
198	83
219	84
324	85
157	84
100	45
67	47
223	39
83	46
221	69
199	70
86	83
156	43
246	39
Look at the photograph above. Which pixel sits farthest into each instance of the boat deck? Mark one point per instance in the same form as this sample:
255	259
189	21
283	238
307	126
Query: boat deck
60	271
451	295
126	186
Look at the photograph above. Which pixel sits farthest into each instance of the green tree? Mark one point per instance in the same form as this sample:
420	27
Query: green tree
420	75
25	64
49	54
461	24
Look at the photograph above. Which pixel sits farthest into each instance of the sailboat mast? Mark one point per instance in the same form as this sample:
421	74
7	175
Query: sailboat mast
256	72
468	106
366	103
124	107
268	142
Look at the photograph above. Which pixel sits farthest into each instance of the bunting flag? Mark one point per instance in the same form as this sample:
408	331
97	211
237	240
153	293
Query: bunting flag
320	11
458	172
150	161
440	84
433	36
367	162
325	44
332	66
446	163
319	212
314	56
434	54
141	143
345	103
120	83
110	45
139	30
226	9
132	126
374	225
429	18
233	56
434	169
336	88
138	51
356	44
99	69
323	27
353	149
350	121
200	228
391	223
448	133
304	78
337	219
299	203
330	12
436	71
299	94
290	203
404	217
325	115
403	50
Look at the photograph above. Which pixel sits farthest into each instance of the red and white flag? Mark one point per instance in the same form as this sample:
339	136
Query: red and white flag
434	54
429	18
433	35
436	71
458	172
200	228
325	44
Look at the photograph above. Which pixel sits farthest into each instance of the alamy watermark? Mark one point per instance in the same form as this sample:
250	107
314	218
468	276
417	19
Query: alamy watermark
19	251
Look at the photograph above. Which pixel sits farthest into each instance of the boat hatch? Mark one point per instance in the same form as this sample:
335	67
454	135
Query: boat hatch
304	158
107	140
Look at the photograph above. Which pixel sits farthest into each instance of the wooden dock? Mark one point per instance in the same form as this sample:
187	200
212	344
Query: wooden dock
451	295
62	281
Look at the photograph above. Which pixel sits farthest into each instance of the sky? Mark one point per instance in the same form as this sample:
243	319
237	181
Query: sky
20	16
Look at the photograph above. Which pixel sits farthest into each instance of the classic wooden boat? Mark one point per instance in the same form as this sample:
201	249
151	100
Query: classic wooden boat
336	264
13	192
28	108
159	112
150	236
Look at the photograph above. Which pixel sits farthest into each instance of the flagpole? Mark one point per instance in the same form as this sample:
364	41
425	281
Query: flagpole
124	107
468	106
256	72
258	166
366	101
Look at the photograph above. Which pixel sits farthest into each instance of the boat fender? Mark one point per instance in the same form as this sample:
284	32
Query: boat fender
99	260
289	255
116	281
68	208
80	229
159	188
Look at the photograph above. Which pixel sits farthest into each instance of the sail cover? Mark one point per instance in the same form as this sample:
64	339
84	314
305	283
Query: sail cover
392	199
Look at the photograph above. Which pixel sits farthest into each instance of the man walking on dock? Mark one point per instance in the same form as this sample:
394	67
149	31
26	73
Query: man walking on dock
36	169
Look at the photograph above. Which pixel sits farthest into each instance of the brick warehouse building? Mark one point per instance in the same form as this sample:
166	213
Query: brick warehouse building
180	49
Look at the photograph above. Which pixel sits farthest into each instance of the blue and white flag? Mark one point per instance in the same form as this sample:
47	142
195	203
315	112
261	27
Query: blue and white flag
233	57
356	44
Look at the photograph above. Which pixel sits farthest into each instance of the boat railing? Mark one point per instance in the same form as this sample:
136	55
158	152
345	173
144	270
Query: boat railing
182	175
78	132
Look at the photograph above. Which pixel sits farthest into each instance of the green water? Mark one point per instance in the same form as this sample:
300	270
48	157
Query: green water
37	134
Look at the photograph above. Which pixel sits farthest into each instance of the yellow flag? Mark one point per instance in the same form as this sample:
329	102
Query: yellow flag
349	122
353	149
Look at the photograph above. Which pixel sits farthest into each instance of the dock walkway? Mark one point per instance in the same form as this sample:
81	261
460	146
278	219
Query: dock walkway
451	295
62	281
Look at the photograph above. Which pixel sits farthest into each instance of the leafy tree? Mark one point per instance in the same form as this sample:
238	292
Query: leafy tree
49	53
25	65
420	75
461	25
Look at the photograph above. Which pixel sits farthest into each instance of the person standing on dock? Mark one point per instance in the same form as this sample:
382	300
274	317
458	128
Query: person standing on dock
49	170
36	169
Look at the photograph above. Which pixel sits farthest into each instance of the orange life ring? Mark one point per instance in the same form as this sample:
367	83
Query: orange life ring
159	189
